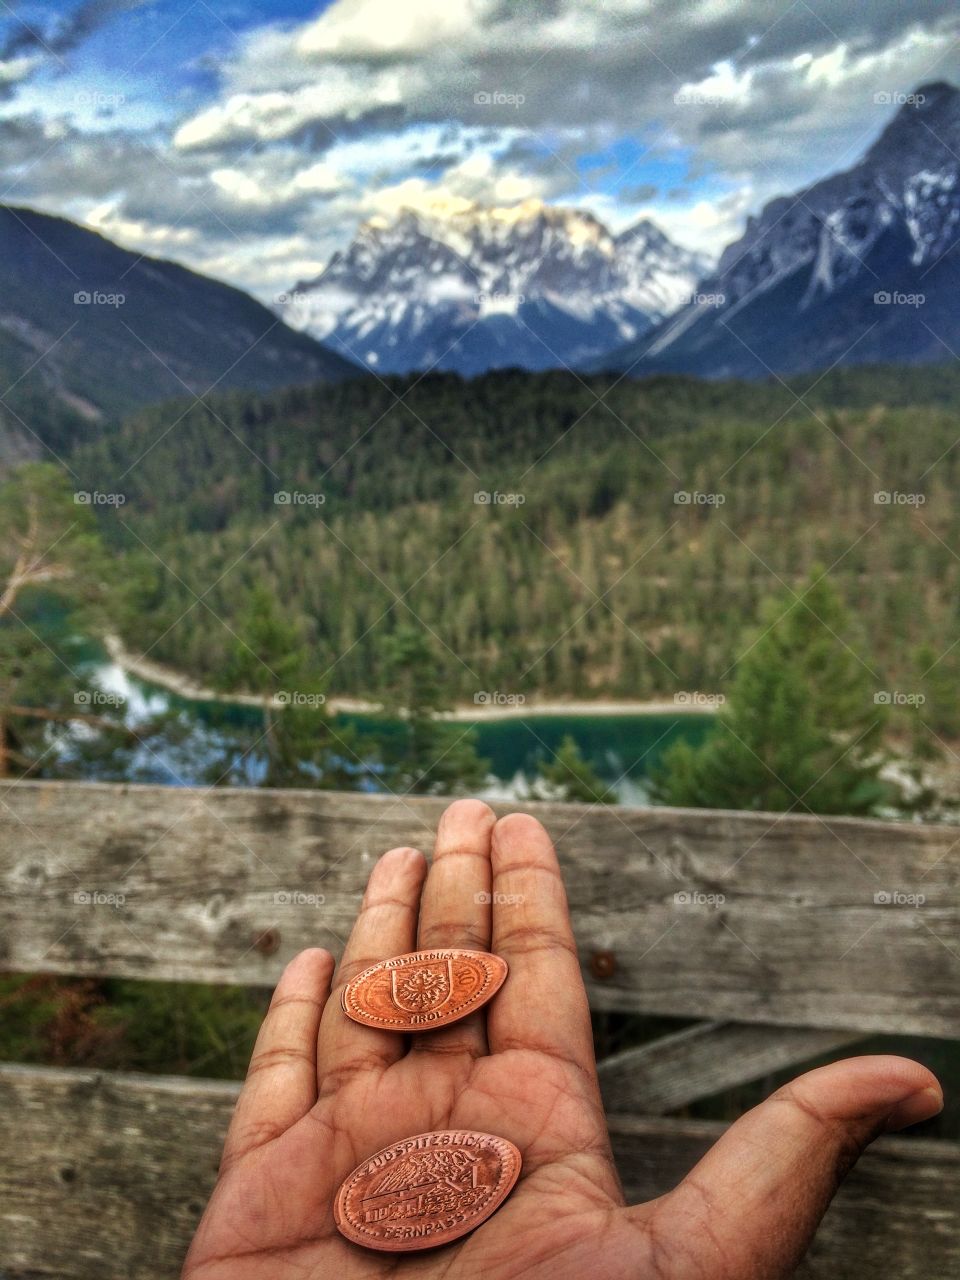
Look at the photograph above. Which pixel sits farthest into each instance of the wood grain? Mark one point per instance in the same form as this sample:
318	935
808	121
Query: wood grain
776	921
105	1177
677	1069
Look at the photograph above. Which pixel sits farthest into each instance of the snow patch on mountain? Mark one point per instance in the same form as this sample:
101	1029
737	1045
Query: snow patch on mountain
851	235
531	285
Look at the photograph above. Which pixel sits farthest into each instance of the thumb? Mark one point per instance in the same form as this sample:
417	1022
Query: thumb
752	1204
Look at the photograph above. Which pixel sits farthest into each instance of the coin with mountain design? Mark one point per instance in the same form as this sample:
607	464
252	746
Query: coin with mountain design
426	1190
423	989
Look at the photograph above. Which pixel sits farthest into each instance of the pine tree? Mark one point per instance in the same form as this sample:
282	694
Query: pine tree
298	743
424	754
571	777
801	728
52	573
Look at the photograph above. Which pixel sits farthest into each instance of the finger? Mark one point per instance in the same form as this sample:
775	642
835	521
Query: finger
543	1004
757	1196
281	1083
455	911
385	927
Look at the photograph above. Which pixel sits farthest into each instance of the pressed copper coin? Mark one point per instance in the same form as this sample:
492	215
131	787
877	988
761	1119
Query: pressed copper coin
427	1190
424	989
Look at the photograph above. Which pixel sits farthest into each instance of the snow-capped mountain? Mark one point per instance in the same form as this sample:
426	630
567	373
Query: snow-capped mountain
862	267
531	286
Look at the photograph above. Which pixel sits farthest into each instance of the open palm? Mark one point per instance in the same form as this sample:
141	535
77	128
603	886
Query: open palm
323	1093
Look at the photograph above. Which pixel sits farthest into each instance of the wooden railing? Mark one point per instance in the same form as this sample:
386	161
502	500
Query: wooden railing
787	937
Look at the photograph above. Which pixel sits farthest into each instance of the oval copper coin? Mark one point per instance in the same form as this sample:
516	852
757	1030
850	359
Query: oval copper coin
424	989
426	1190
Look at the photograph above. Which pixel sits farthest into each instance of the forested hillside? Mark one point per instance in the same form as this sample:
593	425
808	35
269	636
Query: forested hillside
632	529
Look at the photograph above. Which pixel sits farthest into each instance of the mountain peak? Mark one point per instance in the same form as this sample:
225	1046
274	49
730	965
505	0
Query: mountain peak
926	125
836	272
463	286
935	91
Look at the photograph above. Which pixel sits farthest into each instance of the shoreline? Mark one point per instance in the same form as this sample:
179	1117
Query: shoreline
183	686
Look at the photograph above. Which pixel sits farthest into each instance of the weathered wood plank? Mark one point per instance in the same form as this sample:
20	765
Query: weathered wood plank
104	1177
674	1070
785	929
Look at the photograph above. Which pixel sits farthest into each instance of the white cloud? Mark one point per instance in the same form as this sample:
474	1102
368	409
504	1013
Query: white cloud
373	106
259	185
13	70
358	28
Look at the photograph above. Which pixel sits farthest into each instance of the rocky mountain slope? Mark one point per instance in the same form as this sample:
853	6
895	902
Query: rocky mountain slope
861	267
530	286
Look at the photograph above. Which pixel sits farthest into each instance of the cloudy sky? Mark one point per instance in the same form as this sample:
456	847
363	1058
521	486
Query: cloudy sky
248	139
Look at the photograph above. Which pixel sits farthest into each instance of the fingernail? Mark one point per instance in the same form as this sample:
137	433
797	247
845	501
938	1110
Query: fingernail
919	1106
401	857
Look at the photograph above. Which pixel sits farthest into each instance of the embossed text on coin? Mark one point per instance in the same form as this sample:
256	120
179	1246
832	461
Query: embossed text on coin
424	989
426	1190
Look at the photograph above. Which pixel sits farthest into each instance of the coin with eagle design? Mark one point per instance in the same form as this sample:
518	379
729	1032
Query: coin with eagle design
426	1190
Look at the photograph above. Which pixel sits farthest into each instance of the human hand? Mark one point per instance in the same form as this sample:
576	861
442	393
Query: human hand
323	1092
